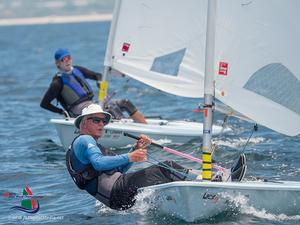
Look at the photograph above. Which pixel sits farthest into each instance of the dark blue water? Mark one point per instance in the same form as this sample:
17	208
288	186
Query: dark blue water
32	155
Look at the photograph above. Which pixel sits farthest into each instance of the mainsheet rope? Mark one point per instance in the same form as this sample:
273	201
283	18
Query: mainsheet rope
163	165
187	156
255	127
187	175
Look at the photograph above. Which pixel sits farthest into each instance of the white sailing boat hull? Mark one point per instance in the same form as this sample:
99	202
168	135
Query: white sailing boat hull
191	200
157	129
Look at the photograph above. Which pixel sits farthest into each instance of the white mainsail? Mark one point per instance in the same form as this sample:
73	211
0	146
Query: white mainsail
162	43
257	68
155	42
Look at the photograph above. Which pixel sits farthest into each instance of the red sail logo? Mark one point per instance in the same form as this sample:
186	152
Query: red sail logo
125	47
223	68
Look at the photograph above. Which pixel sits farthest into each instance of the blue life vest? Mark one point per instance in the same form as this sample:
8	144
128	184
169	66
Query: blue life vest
97	183
75	88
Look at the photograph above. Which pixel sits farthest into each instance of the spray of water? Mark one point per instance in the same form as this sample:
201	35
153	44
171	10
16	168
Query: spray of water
238	142
240	203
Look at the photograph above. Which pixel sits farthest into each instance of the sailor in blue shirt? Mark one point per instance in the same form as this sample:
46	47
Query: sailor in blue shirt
102	173
87	151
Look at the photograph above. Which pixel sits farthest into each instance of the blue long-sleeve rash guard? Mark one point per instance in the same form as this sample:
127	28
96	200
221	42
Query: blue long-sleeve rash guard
86	150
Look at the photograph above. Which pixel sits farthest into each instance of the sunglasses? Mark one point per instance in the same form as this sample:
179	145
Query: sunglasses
66	58
97	120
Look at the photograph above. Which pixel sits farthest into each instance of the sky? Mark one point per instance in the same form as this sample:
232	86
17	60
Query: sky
40	8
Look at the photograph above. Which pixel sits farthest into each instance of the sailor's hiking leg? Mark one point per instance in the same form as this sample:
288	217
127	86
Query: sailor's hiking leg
126	187
239	169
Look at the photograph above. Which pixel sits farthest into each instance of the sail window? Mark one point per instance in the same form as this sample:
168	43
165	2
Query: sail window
168	64
277	83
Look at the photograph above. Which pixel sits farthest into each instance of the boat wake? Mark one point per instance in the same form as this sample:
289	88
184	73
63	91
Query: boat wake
240	203
238	142
262	214
163	141
104	210
144	203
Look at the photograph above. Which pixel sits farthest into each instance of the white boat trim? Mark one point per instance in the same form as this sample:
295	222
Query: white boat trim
244	185
177	132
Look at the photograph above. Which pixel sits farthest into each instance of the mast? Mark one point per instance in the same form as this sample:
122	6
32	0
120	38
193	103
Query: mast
208	90
108	56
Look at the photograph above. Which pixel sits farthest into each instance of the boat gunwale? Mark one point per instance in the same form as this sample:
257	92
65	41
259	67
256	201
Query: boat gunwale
244	185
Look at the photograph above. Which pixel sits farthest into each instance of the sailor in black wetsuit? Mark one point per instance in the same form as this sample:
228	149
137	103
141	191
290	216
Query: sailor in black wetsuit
69	86
71	89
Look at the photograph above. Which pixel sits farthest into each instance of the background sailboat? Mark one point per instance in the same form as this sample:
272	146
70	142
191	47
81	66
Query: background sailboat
251	65
166	63
165	131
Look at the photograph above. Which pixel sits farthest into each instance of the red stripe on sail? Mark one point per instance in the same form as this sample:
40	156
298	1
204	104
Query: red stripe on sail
28	190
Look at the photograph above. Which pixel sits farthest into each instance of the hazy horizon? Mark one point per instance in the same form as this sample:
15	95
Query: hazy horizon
12	9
